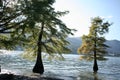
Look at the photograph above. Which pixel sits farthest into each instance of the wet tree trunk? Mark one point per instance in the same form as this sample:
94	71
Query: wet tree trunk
39	68
95	66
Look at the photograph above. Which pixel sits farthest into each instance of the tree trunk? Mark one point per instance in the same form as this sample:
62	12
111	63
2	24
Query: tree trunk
95	66
39	68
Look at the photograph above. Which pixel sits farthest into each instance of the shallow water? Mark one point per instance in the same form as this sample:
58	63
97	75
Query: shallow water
70	69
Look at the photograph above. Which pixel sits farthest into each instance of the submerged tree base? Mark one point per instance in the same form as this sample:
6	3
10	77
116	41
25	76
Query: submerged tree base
38	69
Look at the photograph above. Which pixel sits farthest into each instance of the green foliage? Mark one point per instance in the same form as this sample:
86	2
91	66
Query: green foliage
10	21
21	23
40	13
95	40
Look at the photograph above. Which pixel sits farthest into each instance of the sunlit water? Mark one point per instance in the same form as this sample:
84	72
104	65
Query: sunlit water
70	69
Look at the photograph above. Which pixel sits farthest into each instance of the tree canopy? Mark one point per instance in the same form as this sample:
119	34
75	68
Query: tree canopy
9	23
23	19
95	38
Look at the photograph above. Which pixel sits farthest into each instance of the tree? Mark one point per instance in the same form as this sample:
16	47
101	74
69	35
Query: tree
93	44
38	29
44	30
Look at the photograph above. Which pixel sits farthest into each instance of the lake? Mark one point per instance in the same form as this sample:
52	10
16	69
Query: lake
72	68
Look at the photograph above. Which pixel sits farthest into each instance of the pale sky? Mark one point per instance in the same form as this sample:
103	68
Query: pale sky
81	12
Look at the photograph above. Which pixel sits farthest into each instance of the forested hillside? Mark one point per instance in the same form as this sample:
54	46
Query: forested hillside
114	49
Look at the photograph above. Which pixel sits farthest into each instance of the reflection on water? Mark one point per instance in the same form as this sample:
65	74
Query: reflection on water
89	76
95	76
70	69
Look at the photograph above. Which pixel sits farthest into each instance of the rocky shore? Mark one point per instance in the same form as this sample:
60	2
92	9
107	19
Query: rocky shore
22	77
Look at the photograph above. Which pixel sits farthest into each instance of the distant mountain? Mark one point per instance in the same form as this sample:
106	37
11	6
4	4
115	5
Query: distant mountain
114	50
114	47
75	43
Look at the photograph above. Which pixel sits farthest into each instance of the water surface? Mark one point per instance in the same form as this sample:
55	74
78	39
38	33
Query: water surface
70	69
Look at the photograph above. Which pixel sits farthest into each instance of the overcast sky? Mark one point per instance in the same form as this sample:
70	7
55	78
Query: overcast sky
81	12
